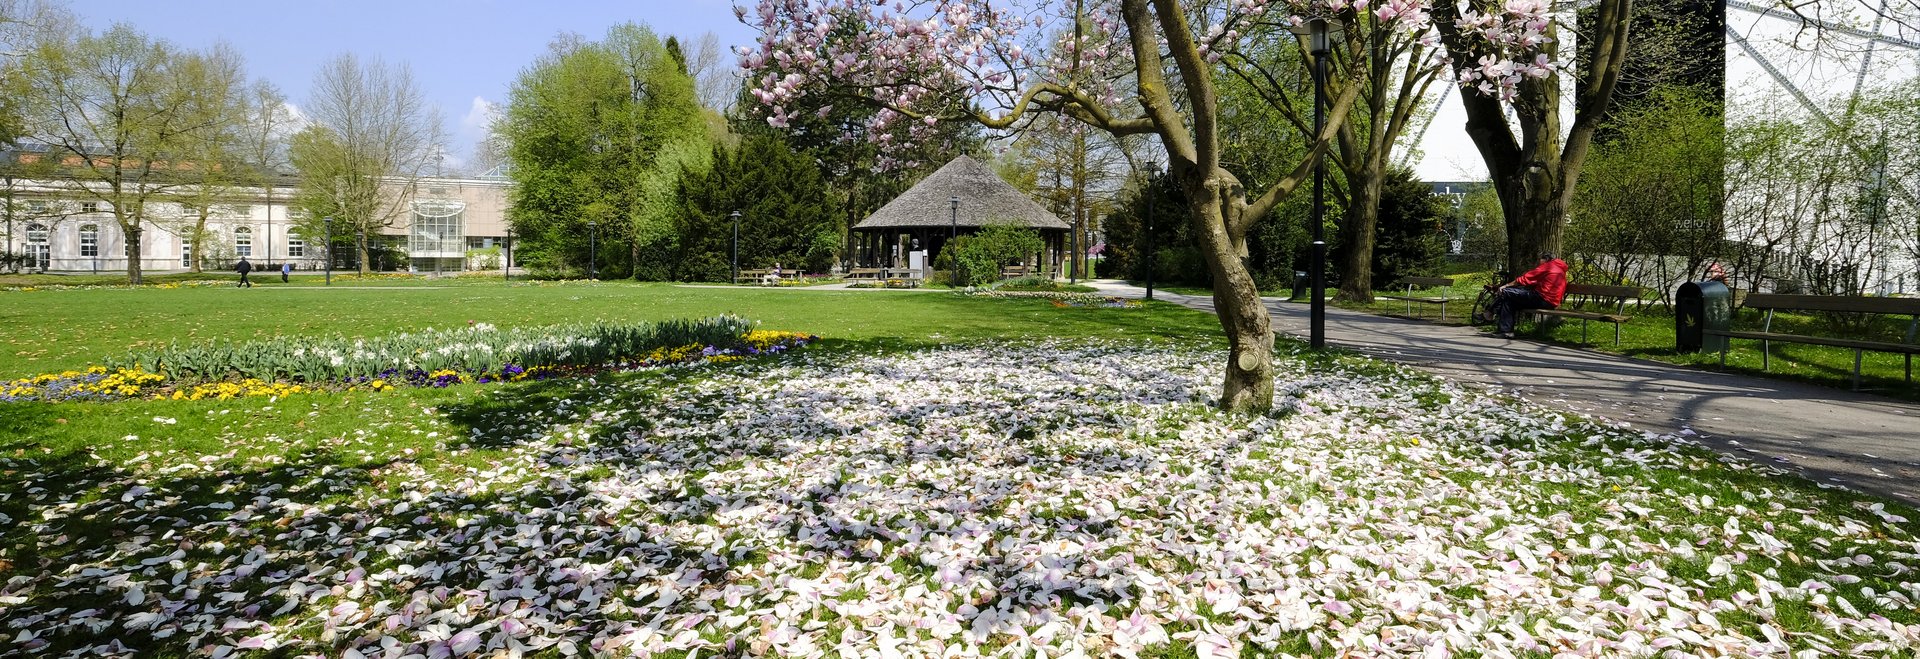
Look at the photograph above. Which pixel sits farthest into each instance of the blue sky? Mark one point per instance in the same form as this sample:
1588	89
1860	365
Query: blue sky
460	50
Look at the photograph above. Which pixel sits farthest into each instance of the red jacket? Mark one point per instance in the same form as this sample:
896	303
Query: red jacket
1549	280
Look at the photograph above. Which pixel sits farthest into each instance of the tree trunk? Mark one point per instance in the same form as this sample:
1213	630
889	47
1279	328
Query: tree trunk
1532	168
1249	379
360	245
199	237
1361	233
132	232
1534	205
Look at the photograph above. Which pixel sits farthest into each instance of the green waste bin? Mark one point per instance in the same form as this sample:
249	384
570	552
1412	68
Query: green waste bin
1697	307
1301	285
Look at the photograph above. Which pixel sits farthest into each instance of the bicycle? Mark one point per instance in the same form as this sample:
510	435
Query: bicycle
1482	309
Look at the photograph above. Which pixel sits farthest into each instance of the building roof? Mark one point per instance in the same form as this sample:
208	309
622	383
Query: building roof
984	199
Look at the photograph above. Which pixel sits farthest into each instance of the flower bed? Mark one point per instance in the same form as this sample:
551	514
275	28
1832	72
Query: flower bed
477	348
890	283
435	358
1060	299
1077	500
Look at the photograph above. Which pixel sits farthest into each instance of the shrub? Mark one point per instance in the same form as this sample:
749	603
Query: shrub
979	257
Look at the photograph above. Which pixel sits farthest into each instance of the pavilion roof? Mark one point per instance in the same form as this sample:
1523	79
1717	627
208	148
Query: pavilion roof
985	199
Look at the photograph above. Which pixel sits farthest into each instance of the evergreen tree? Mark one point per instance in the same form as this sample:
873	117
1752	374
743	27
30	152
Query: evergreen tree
788	215
1411	239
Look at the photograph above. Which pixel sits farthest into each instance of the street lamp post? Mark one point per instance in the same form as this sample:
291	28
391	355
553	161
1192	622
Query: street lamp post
507	261
954	223
593	249
1317	43
329	222
736	246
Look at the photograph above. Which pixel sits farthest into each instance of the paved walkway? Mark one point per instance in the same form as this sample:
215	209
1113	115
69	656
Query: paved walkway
842	286
1860	440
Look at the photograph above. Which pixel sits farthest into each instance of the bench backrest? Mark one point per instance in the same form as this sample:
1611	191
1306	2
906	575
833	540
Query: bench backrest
1840	303
1426	282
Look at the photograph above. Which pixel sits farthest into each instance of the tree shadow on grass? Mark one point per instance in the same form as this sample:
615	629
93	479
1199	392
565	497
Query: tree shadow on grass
319	515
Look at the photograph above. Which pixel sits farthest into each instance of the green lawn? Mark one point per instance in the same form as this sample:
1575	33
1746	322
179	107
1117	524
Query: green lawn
1650	335
1441	457
43	331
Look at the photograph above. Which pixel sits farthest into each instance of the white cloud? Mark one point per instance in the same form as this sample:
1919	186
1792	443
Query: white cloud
480	116
297	120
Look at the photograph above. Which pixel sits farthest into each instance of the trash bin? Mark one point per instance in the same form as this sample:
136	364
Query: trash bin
1697	307
1300	285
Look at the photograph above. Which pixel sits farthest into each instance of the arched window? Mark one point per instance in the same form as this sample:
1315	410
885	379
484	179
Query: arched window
90	240
243	241
296	245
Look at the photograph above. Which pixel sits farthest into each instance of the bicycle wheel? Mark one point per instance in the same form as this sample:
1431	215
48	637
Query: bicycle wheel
1482	307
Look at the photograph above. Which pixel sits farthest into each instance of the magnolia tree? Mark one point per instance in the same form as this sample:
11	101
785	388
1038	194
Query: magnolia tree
1127	67
1506	50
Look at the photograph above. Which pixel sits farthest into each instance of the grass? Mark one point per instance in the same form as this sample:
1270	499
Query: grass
91	448
47	331
85	446
1650	335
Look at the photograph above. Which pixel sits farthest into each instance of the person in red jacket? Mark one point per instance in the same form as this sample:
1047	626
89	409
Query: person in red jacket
1543	287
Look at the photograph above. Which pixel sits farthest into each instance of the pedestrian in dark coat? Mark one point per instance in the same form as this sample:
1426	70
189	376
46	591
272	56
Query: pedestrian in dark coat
243	267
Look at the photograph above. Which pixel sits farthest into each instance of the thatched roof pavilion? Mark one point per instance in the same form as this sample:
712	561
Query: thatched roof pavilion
925	216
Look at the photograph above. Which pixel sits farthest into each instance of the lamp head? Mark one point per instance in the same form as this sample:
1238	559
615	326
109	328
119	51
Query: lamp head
1317	37
735	215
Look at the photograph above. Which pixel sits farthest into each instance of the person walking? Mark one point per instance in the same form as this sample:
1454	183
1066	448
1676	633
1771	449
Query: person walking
243	267
286	268
1543	287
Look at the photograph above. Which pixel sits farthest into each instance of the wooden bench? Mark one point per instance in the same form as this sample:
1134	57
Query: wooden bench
913	278
1015	271
753	276
1614	295
1423	282
1889	306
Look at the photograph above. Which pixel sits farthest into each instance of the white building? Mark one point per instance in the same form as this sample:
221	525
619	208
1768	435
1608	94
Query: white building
56	229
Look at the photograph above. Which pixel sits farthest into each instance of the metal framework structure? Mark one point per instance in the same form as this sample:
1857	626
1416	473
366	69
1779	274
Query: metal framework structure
1875	177
1873	38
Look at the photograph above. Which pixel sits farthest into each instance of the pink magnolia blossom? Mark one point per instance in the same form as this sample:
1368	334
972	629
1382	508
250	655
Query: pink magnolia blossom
977	60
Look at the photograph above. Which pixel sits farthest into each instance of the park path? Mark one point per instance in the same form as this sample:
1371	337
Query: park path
1860	440
842	286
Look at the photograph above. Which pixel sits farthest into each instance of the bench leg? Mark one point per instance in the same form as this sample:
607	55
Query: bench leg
1766	355
1443	311
1856	369
1909	368
1616	335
